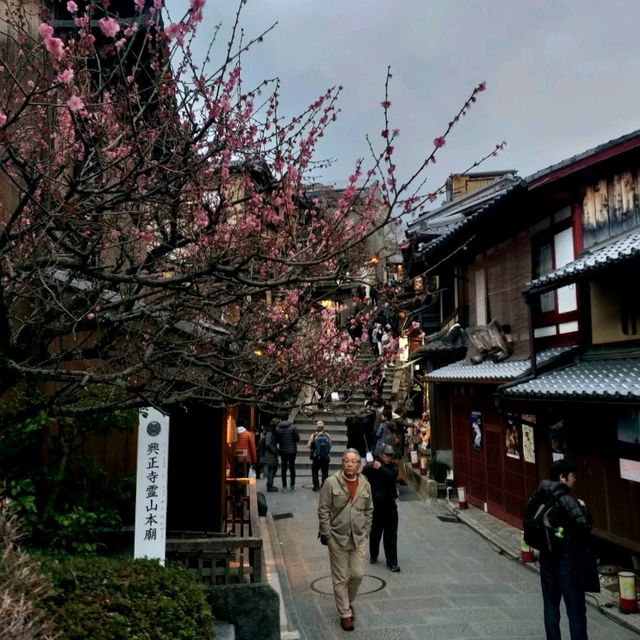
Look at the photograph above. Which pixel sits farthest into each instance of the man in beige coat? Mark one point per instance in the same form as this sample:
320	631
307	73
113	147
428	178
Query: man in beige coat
345	512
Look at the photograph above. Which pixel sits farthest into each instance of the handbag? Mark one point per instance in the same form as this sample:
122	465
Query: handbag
368	456
402	472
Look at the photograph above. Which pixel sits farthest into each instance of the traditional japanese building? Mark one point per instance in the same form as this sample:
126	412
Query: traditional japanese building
552	259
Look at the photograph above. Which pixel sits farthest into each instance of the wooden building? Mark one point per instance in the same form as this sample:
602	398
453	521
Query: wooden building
552	259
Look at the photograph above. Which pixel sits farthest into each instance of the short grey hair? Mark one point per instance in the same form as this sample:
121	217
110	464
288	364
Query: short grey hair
351	450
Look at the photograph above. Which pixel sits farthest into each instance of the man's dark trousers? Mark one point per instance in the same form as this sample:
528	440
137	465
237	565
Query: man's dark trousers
385	526
558	579
288	461
321	465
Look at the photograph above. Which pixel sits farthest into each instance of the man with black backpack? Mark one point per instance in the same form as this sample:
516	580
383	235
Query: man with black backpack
320	448
558	526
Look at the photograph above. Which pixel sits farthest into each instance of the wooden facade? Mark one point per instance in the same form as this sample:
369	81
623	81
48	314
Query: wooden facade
494	482
582	204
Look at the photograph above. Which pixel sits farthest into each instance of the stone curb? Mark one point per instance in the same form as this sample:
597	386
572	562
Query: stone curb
276	575
606	605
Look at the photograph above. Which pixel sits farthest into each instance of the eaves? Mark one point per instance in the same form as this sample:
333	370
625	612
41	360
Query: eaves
481	216
619	252
595	376
595	155
495	372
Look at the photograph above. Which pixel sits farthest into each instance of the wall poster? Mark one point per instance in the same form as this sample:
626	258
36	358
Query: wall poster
476	430
629	446
528	443
512	436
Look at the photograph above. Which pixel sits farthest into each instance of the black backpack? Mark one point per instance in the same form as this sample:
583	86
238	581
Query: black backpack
542	524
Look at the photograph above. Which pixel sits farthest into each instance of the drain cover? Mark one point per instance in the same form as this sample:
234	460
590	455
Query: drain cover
443	518
282	516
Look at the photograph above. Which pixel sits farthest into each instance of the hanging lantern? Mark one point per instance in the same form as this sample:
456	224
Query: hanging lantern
423	465
526	552
628	598
462	498
415	463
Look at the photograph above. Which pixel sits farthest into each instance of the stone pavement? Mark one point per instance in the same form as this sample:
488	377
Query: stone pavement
457	581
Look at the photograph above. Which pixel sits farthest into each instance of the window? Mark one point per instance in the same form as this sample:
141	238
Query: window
482	311
550	253
555	311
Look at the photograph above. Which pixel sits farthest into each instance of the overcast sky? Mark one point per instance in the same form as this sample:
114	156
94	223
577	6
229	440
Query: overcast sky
562	76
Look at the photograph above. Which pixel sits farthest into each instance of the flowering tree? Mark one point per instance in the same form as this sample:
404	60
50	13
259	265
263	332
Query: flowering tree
156	240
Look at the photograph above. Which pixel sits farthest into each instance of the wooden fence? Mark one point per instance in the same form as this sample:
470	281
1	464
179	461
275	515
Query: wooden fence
230	557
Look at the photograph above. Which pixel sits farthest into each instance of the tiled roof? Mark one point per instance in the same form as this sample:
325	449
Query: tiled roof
627	137
483	207
618	251
463	205
614	378
446	340
489	371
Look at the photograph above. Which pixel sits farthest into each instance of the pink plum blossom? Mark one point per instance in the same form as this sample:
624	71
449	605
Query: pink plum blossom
65	77
175	31
109	27
72	7
75	104
45	30
55	47
3	118
438	142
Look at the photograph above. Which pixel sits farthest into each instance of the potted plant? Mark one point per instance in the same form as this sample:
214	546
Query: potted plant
438	470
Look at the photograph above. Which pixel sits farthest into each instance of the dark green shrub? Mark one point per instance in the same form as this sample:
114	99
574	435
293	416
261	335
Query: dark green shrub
65	500
438	470
122	598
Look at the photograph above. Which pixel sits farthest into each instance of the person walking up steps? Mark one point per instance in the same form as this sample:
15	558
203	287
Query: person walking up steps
382	474
269	454
345	512
320	447
287	437
245	451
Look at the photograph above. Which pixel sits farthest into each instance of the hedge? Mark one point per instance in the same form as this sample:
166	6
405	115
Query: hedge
116	598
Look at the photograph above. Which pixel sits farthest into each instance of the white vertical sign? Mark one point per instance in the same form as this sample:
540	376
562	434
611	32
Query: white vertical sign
151	484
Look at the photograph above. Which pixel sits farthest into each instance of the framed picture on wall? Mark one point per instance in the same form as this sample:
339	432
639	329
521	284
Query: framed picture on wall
629	446
528	445
512	436
476	430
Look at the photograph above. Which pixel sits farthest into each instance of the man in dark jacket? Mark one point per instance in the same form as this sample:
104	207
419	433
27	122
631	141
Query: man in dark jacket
558	567
288	437
382	474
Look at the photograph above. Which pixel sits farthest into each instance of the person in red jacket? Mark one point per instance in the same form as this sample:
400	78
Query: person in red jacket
245	451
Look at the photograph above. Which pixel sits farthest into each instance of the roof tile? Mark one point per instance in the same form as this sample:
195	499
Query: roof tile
488	371
623	249
614	378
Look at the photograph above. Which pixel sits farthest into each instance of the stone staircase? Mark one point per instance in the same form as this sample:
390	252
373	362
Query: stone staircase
333	415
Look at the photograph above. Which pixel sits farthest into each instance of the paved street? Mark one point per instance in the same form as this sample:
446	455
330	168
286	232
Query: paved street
454	584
